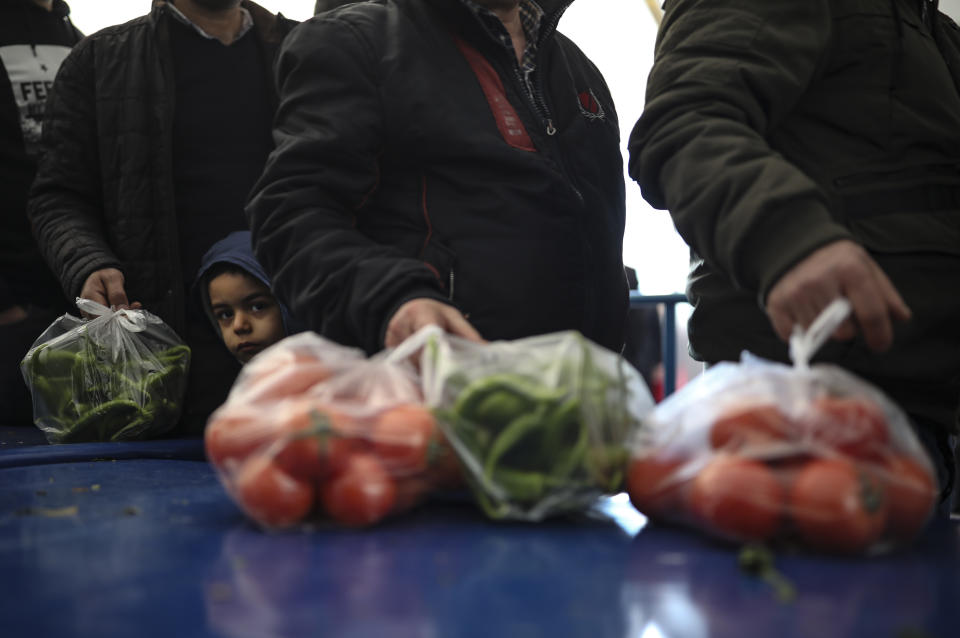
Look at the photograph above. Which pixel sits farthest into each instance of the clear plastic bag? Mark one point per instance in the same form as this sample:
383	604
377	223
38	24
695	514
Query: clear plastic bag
119	376
540	424
808	456
315	431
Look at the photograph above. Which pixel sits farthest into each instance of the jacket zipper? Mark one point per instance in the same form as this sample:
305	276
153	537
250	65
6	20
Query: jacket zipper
538	97
450	295
535	91
535	94
545	31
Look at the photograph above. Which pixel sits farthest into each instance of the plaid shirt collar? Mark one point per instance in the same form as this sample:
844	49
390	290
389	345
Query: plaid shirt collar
246	26
531	17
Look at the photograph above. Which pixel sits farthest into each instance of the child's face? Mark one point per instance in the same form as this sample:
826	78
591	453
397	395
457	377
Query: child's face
247	312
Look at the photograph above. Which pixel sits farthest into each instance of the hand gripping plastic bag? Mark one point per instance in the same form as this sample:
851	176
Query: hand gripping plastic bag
540	424
313	431
809	456
119	376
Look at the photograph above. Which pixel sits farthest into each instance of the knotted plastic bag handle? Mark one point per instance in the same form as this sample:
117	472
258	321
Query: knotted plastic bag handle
131	320
413	344
805	343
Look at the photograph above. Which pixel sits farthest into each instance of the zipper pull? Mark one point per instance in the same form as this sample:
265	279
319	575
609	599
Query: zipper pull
551	129
578	193
450	296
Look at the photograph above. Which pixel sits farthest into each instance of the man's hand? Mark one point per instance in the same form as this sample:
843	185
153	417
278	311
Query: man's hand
417	313
845	269
105	286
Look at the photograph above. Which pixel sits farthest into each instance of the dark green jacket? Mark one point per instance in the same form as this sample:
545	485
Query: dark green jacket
772	128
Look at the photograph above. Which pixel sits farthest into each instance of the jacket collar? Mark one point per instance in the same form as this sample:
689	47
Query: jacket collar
457	13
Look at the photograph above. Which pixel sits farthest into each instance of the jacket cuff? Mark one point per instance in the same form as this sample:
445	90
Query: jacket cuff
778	244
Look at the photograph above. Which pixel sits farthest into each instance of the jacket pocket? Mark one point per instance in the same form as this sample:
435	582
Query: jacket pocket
936	232
863	28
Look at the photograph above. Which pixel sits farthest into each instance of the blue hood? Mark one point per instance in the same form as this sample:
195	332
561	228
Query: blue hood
235	249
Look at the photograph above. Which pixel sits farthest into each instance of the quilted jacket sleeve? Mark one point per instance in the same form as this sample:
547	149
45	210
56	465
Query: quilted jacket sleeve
65	202
724	75
329	134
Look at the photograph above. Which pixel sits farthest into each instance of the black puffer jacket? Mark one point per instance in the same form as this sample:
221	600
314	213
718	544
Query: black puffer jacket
103	196
396	176
773	128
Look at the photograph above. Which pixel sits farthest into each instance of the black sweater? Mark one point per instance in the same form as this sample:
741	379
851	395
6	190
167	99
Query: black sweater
221	136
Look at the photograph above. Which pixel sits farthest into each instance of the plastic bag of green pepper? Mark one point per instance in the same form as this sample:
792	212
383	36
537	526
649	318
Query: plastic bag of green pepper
540	424
119	376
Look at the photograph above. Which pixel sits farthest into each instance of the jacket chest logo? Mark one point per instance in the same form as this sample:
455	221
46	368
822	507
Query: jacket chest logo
590	106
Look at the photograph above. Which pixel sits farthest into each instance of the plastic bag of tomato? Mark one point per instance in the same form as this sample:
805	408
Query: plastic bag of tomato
314	431
810	456
541	424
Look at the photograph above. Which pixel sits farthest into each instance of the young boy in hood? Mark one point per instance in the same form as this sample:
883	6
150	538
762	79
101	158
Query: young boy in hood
235	294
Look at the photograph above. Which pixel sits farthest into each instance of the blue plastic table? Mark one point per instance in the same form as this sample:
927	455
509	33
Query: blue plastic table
133	540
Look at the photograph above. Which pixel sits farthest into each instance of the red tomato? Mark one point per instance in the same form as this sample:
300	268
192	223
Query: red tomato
362	494
749	426
271	496
853	426
402	438
837	506
234	434
319	441
738	498
653	485
911	496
